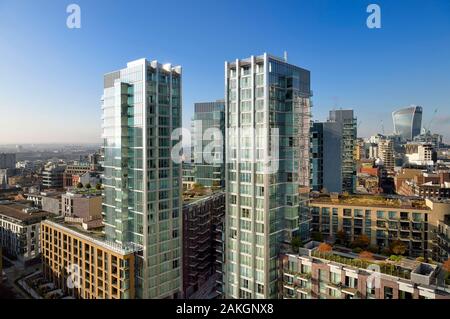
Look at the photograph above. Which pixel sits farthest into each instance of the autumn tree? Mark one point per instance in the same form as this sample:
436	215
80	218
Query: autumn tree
341	237
362	241
324	248
366	255
398	247
446	265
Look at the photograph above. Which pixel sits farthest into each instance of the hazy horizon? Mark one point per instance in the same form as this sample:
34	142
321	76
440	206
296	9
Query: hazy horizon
52	76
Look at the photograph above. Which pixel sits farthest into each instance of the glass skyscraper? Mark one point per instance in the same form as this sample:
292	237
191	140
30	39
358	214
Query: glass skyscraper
408	122
141	105
333	143
262	206
209	115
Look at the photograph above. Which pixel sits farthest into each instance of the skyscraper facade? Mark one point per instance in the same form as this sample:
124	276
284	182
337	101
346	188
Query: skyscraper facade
347	121
408	122
333	144
326	157
209	115
141	105
262	93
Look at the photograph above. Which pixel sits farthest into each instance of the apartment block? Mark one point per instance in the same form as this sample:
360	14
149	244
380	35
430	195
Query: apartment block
312	274
19	231
382	219
442	240
141	107
84	264
263	94
202	225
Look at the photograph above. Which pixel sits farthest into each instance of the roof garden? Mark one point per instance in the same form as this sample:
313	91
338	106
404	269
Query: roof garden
370	200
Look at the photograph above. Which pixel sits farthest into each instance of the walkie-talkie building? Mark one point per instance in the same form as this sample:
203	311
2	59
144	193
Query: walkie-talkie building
262	94
408	122
141	106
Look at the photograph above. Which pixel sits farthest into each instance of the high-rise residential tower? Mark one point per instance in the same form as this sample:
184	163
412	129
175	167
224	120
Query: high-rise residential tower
207	116
326	157
141	105
263	94
408	122
333	143
347	121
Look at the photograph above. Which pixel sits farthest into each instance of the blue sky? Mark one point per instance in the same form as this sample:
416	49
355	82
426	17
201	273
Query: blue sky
51	76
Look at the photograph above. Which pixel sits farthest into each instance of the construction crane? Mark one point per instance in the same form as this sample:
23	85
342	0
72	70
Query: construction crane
382	127
428	127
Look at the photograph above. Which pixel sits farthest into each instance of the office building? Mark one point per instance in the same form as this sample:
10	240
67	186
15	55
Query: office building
19	231
335	274
202	224
52	175
141	106
408	122
209	115
263	94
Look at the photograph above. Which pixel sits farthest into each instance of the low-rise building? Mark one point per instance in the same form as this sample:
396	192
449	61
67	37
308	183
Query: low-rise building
48	201
382	219
19	230
52	175
85	204
76	169
335	274
84	265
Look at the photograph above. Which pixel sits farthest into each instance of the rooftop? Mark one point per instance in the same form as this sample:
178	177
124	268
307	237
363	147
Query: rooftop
194	198
21	211
371	200
95	236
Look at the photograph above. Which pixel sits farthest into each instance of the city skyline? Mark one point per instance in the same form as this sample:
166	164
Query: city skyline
353	67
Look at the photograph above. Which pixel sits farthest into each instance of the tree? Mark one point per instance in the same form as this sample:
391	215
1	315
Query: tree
446	265
324	248
88	186
362	241
398	247
341	237
296	243
80	185
98	186
366	255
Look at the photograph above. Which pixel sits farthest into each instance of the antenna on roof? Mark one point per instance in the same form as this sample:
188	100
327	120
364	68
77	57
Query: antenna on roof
285	56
